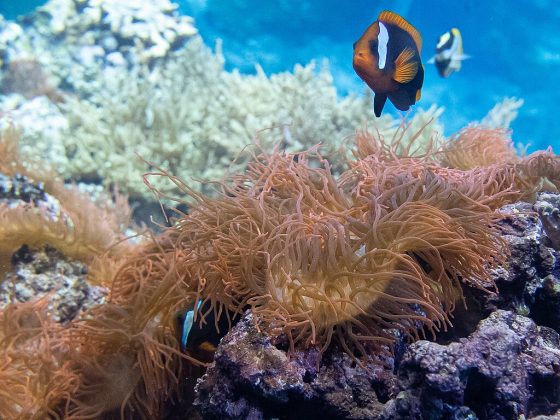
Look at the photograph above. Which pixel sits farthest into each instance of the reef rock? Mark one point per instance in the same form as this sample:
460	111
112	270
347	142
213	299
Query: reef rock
37	273
548	207
19	190
251	378
508	368
529	284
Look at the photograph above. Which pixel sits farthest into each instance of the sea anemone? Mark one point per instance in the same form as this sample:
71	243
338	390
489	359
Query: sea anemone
81	228
316	258
478	146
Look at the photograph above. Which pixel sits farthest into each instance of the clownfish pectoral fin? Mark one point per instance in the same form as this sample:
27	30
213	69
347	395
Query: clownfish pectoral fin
378	103
406	66
461	57
432	60
418	95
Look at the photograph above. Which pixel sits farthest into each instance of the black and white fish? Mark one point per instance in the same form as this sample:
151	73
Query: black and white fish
449	53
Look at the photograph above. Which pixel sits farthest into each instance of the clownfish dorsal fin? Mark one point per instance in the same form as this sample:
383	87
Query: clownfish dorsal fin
405	66
397	20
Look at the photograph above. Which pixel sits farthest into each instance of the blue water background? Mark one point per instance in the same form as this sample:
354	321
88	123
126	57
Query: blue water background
514	44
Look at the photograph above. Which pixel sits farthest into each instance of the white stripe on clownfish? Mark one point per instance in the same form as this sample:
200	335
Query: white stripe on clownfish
382	41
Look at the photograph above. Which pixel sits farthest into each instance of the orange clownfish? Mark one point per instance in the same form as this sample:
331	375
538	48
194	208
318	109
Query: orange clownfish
387	58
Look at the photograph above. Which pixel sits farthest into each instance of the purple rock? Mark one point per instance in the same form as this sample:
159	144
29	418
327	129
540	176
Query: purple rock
507	368
252	378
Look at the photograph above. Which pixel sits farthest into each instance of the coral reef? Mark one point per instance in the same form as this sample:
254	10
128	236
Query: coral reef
348	264
333	257
44	226
434	380
45	289
195	119
79	227
320	260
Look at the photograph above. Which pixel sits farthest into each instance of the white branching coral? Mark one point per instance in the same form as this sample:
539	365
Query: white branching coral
503	113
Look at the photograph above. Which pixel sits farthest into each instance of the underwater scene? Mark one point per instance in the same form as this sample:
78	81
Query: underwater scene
279	210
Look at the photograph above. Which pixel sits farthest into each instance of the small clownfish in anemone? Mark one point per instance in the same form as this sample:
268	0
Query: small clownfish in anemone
199	338
387	58
449	53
